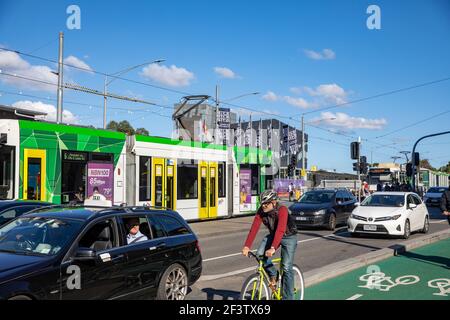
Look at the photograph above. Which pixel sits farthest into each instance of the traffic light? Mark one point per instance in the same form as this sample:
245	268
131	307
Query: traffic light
355	166
409	169
293	161
416	159
354	150
289	170
363	166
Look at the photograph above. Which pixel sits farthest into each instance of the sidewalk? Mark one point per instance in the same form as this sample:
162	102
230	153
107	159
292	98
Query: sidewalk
205	229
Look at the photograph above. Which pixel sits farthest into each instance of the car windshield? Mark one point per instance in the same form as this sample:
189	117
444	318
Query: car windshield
37	235
384	200
317	197
436	190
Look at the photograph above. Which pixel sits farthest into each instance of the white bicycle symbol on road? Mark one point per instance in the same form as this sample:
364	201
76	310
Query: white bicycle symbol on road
379	281
442	284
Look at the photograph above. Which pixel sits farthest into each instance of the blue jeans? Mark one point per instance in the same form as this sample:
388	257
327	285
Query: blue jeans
288	248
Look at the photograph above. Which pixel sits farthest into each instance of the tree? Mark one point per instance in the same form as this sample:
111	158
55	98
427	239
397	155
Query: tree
122	126
445	168
142	132
426	164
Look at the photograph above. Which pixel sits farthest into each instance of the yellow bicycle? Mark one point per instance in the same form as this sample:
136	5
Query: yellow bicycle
256	287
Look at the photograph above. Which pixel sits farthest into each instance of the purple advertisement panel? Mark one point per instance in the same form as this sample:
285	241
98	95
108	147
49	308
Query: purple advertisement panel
100	181
245	177
281	186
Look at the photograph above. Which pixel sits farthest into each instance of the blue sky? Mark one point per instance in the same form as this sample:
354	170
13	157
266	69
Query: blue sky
276	48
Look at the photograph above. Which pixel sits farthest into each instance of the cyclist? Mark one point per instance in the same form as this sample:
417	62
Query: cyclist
282	232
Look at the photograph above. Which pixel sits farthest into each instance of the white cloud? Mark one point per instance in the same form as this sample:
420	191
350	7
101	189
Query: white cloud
12	63
270	96
172	76
329	92
343	120
74	61
68	117
299	102
225	72
325	54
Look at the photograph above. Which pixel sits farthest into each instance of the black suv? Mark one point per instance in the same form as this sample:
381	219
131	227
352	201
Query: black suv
11	209
323	208
87	253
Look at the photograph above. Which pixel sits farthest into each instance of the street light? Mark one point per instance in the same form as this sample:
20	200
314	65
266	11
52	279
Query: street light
114	77
406	154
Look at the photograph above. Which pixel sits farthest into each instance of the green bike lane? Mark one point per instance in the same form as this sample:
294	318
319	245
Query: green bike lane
420	274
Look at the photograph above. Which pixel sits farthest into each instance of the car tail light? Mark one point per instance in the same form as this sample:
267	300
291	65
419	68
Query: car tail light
197	245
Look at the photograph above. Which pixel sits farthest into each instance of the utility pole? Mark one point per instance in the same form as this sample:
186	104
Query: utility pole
104	102
216	130
303	145
59	117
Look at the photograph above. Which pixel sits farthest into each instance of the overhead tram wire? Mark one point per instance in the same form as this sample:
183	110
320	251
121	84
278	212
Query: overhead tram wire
414	124
424	84
135	81
233	105
73	102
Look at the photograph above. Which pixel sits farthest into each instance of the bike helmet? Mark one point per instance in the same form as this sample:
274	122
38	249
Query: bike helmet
268	196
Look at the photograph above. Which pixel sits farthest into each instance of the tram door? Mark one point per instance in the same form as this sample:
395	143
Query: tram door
208	187
164	183
34	174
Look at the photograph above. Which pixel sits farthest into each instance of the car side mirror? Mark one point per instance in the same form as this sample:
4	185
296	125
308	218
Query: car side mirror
85	254
412	206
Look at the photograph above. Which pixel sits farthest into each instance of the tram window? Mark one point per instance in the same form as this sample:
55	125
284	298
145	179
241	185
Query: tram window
187	181
222	180
73	181
104	157
145	178
255	180
6	172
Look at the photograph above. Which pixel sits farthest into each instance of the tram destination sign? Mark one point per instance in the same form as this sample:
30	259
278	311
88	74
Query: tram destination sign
74	156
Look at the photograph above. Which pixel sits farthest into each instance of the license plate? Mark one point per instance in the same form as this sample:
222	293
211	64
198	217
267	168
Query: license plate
368	227
302	218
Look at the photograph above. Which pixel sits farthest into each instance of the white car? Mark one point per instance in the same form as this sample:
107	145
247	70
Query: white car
391	213
433	196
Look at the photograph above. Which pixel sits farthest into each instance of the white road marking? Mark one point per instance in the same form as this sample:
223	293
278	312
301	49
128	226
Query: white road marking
440	221
301	241
224	275
355	297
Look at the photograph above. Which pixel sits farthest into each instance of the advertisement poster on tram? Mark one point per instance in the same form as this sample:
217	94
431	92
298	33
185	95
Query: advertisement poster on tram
245	177
100	181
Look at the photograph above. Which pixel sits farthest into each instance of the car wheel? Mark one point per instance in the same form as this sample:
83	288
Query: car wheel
407	231
173	284
332	222
426	225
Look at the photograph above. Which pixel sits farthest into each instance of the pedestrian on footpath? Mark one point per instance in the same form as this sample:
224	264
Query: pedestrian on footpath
291	191
445	204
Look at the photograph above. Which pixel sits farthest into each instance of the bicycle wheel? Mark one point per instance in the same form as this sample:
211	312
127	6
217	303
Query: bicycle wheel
253	289
299	283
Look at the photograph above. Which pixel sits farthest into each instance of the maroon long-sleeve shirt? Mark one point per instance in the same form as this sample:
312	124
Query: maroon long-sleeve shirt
279	232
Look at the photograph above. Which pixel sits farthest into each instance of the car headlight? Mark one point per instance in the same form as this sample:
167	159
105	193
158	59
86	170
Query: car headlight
396	217
317	213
